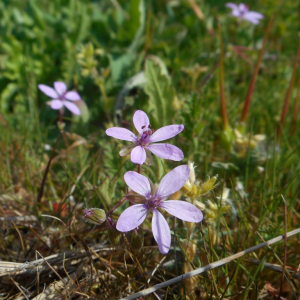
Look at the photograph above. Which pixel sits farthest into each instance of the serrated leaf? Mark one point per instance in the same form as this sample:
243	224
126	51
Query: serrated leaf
161	94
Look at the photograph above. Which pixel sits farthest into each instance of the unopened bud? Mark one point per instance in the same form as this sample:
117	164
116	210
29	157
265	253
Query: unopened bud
137	239
95	215
192	172
115	236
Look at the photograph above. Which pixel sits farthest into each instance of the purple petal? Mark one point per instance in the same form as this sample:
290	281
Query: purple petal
121	134
73	108
235	9
60	87
138	183
49	91
73	96
166	151
243	8
140	121
231	5
132	217
161	232
138	155
56	104
173	181
183	210
165	133
253	17
255	14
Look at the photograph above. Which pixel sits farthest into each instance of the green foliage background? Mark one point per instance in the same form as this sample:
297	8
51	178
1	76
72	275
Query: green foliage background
127	55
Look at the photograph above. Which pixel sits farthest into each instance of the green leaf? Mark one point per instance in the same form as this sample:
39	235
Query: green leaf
158	88
8	92
121	62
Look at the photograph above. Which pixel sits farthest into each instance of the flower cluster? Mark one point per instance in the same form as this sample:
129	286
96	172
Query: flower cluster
148	197
145	196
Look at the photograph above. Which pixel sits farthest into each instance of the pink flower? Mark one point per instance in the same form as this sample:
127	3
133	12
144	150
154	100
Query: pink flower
143	145
151	198
61	97
242	11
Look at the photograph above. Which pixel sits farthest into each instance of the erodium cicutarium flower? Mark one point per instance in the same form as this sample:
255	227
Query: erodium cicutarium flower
241	11
145	143
152	198
61	97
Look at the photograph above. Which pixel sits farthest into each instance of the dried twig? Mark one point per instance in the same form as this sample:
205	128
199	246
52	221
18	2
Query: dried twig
211	266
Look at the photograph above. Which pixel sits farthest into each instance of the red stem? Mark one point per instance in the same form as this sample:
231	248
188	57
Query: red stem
288	93
117	205
296	109
253	80
221	84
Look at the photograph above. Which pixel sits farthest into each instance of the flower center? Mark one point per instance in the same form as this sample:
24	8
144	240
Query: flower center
243	10
145	136
153	202
62	97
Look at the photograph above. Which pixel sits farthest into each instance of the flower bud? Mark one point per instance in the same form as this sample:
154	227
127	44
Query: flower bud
136	239
95	215
192	172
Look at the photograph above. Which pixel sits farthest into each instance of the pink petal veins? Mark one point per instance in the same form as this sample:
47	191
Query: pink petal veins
161	232
140	121
173	181
165	133
138	155
132	217
138	183
121	134
166	151
183	210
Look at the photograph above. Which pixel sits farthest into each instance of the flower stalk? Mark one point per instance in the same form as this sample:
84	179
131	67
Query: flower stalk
117	205
253	80
288	95
221	84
